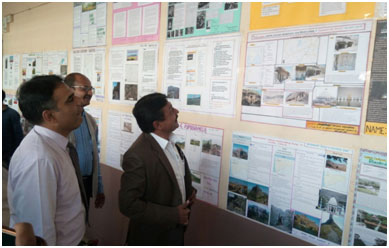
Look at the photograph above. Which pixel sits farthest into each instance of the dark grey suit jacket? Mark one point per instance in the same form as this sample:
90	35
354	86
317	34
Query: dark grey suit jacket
149	194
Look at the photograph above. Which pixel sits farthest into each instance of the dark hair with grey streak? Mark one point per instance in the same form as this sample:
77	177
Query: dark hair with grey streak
36	96
71	78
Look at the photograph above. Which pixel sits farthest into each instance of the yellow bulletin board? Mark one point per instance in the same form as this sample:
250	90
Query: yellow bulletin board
292	14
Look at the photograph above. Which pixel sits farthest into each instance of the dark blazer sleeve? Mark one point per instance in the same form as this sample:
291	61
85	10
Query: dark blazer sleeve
132	202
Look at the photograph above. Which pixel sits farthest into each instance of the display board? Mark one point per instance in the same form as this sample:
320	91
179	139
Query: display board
203	149
11	66
91	63
200	75
89	24
133	72
135	22
369	221
44	63
307	76
298	188
97	115
376	117
202	18
283	14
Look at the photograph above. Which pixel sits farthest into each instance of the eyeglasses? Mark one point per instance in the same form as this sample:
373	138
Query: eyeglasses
84	88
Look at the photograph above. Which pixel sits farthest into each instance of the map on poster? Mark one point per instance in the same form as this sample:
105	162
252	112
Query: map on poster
44	63
202	147
11	65
89	24
91	63
202	18
298	188
200	75
133	72
307	76
369	221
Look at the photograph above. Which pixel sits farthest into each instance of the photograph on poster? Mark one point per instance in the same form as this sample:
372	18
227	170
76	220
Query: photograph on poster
332	202
301	72
236	203
350	96
258	193
347	43
170	11
281	218
336	162
127	127
132	55
194	142
272	97
325	96
116	91
371	221
297	97
173	92
180	141
251	97
203	5
196	177
344	62
306	223
315	72
229	6
193	99
200	22
240	151
368	186
131	92
237	186
283	74
210	148
363	238
331	227
257	212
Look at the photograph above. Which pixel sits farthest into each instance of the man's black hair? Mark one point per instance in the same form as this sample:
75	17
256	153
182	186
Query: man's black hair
149	109
3	95
36	96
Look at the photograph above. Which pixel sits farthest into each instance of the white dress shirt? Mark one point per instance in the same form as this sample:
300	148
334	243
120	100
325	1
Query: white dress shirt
43	188
175	160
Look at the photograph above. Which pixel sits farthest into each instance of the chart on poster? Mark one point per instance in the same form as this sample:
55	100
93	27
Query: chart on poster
298	188
307	76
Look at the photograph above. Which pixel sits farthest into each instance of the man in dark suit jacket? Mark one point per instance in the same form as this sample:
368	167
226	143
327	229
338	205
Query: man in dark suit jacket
156	188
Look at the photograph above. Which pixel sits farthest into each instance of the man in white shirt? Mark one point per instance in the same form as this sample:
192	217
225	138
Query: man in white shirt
156	187
43	188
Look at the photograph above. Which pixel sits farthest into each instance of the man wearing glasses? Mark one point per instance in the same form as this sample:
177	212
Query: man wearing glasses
84	138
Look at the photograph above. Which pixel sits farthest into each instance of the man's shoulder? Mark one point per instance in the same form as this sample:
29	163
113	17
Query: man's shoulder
11	112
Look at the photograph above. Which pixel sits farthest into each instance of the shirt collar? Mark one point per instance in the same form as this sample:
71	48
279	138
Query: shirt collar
161	141
60	140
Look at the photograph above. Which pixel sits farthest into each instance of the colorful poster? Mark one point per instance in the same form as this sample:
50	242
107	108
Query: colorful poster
202	18
200	75
44	63
91	63
202	147
11	73
308	77
135	22
298	188
369	220
133	72
376	116
89	24
284	14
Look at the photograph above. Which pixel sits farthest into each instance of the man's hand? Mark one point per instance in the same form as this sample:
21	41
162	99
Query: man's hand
183	213
192	197
100	199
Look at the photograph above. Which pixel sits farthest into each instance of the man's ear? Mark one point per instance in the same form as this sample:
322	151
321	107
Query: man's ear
156	125
47	116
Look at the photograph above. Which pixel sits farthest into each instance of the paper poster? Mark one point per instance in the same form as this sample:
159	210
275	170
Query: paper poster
133	72
308	77
369	219
376	117
298	188
284	14
200	75
44	63
89	24
202	18
91	63
96	114
202	147
121	133
11	77
135	22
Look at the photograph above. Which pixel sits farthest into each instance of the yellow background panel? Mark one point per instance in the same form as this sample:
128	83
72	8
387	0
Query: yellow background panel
292	14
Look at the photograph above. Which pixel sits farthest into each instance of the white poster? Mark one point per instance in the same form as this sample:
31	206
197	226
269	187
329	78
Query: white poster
89	24
91	63
44	63
369	221
298	188
307	76
122	132
133	72
200	75
202	147
96	114
11	77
